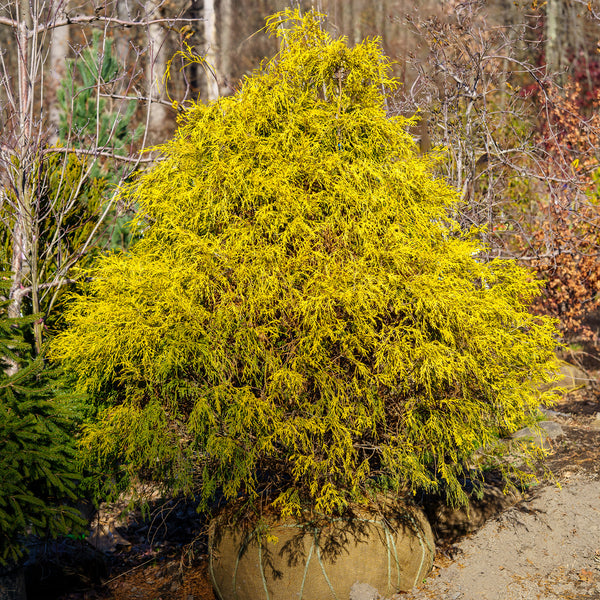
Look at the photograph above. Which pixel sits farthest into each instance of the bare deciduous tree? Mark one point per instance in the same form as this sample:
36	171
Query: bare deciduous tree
51	206
475	109
521	146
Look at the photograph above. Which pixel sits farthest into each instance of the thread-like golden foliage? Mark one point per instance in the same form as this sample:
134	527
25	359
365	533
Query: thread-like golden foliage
301	316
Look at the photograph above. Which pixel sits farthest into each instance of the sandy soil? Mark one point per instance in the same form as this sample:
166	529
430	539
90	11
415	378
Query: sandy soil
545	547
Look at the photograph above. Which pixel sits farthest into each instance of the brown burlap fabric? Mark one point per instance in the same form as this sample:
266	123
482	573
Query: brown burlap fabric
390	549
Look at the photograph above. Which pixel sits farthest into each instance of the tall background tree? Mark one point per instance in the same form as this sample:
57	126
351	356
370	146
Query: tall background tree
67	115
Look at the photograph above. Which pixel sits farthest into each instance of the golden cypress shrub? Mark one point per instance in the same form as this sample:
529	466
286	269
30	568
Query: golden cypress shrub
302	319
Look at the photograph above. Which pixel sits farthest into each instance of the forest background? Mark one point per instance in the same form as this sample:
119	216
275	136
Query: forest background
510	90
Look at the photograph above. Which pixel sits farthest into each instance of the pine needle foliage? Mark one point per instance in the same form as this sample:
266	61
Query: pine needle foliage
88	118
85	115
302	318
68	203
38	468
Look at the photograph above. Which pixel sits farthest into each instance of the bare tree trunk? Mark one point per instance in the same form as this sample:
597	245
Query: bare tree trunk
555	21
210	36
507	17
357	6
20	244
121	35
333	12
59	50
155	70
226	46
380	18
347	19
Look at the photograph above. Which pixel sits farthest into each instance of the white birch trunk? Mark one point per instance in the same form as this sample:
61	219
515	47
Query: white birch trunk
59	51
210	36
155	70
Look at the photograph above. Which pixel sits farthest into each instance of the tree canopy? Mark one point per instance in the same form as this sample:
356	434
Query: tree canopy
301	316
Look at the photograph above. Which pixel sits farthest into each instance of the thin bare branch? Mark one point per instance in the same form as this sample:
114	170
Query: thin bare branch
90	19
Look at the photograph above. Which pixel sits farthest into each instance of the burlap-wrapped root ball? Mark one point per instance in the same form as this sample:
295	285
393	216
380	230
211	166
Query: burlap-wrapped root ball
391	550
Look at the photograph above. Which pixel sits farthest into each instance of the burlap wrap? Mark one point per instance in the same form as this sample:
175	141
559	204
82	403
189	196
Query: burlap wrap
391	550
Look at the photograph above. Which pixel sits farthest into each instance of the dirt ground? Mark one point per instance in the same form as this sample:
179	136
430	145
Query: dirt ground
544	547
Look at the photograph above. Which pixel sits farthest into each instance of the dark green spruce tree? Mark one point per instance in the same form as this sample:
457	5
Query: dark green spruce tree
38	473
